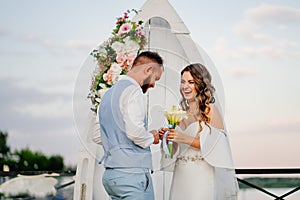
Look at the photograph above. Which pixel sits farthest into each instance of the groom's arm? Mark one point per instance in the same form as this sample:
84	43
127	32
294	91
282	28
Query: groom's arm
96	133
133	110
156	136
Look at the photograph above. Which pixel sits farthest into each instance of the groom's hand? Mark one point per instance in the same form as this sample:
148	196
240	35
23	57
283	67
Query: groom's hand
156	136
161	132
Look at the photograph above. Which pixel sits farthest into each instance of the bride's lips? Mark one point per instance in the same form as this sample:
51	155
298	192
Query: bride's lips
186	93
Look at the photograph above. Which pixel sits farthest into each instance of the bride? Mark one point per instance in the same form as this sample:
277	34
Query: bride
203	164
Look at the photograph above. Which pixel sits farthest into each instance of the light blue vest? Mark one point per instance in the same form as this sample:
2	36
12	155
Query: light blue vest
119	150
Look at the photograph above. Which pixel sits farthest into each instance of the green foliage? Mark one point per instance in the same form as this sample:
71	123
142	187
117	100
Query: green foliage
4	149
19	196
13	164
26	159
29	160
272	182
56	162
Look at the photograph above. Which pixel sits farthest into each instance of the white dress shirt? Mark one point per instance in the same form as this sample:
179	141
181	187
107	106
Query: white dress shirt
133	109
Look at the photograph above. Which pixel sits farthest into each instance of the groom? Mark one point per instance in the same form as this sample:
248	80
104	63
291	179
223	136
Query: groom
126	141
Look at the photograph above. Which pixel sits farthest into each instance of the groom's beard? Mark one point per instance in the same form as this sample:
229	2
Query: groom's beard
146	84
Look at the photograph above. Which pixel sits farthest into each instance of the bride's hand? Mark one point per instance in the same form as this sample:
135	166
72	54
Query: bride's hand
176	136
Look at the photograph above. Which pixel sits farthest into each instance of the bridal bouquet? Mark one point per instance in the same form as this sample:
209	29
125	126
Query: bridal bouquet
174	116
115	56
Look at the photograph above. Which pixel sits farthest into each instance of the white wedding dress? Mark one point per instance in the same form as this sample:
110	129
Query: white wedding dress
193	177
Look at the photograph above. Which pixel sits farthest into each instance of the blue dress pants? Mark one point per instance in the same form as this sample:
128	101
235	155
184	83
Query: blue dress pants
128	185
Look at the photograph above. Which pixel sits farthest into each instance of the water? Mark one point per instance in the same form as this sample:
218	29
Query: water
244	194
66	193
253	194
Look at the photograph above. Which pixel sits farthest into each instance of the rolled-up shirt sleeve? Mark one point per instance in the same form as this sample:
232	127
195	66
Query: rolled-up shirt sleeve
96	133
133	109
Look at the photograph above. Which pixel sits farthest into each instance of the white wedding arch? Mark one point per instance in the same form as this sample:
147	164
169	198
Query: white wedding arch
168	35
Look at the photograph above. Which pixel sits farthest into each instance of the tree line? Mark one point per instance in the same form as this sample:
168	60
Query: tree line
26	159
272	182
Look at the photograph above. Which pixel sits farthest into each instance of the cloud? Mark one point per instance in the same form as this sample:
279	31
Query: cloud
39	39
56	109
29	109
267	16
14	91
4	32
271	32
266	51
39	120
49	44
239	72
80	44
52	44
221	49
69	45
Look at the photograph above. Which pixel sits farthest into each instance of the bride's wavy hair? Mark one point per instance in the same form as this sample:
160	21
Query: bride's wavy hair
204	91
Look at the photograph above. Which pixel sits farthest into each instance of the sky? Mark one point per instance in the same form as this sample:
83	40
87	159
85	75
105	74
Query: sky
255	46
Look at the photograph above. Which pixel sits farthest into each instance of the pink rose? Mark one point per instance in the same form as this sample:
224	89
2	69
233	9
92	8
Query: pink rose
121	58
130	58
125	28
125	60
108	76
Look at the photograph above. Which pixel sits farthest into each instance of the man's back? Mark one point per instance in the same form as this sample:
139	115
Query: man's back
120	151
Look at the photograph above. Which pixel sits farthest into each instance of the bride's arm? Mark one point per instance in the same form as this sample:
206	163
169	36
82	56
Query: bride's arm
216	119
195	142
177	136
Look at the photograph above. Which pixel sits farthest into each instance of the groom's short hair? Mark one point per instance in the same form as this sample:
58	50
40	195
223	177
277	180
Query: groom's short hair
146	57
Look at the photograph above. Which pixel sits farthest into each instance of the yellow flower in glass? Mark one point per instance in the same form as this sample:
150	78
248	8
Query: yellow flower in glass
174	116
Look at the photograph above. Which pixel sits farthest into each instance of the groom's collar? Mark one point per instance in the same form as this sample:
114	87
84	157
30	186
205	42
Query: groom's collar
125	77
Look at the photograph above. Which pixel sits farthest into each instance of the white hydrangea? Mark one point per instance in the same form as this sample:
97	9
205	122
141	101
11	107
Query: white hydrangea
118	47
131	45
116	68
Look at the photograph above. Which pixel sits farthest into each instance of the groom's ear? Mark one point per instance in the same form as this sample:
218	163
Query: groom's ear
148	70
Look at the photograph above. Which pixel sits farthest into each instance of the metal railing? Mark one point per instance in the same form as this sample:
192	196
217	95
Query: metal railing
268	171
238	171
